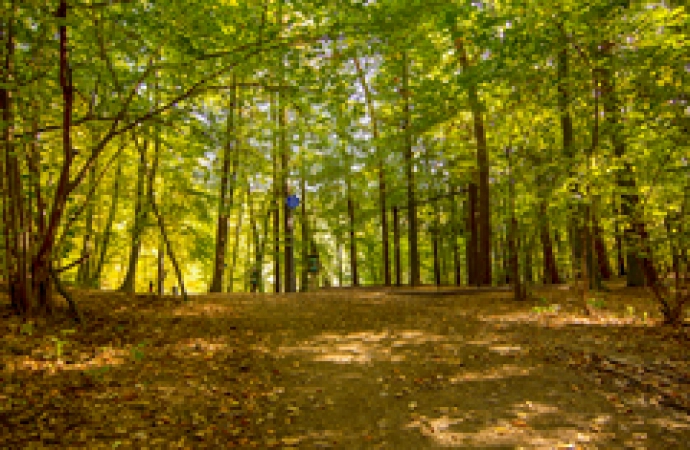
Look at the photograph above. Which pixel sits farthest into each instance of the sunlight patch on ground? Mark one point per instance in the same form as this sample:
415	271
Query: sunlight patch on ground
504	371
46	359
361	347
502	433
199	347
552	319
204	309
505	349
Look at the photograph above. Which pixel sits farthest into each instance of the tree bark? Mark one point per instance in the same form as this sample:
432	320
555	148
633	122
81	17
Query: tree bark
140	216
276	204
381	174
353	243
107	233
396	246
84	273
624	176
550	268
472	241
304	279
483	261
225	201
455	232
409	166
287	212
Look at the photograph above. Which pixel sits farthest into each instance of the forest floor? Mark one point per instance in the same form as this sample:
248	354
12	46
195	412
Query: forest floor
347	369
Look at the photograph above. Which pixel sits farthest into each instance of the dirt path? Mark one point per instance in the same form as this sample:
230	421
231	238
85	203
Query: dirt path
342	370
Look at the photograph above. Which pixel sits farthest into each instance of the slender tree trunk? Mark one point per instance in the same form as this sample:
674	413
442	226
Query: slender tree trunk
550	268
625	177
513	248
287	212
602	255
107	233
236	247
437	266
304	282
84	273
225	201
483	259
381	174
396	246
353	243
456	218
620	257
160	285
159	217
340	262
472	241
140	217
409	167
276	204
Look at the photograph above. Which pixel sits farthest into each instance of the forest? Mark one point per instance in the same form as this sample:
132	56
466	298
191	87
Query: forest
477	143
161	151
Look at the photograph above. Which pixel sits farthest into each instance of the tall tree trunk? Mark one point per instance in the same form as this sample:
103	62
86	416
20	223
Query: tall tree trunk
620	257
84	272
409	167
225	201
437	266
550	268
602	255
340	262
140	217
236	247
304	281
276	203
483	261
160	285
625	178
472	241
382	176
353	243
107	232
396	246
513	248
159	216
455	232
287	212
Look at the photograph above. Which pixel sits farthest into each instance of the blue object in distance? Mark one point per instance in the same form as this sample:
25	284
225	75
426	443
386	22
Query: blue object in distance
292	201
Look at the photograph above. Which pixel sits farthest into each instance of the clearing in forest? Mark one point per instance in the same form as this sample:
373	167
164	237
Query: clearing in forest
347	369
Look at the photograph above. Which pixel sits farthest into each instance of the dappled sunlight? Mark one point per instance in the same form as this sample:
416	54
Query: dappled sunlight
198	347
554	320
506	349
204	309
362	346
493	373
47	359
469	428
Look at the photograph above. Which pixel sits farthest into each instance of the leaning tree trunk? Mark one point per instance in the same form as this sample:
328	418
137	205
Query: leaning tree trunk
160	219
